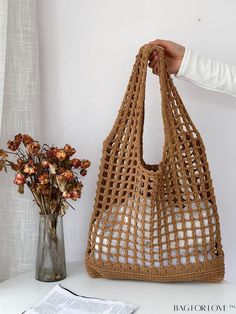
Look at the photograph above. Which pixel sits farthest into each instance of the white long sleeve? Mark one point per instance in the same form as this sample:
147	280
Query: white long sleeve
208	73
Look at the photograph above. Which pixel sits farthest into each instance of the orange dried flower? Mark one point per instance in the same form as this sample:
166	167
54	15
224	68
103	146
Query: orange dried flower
29	169
18	137
45	164
13	145
2	164
74	194
67	175
15	167
33	148
44	178
60	154
26	139
19	179
69	150
85	164
76	163
3	154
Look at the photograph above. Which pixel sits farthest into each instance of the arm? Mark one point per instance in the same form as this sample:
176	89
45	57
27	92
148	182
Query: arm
207	73
193	67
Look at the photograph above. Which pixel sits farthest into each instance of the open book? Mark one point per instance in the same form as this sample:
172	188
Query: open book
63	301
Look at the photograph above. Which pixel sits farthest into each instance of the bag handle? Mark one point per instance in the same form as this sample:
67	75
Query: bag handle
144	54
176	120
166	88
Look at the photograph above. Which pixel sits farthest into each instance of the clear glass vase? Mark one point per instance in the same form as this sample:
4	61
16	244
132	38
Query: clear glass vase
50	263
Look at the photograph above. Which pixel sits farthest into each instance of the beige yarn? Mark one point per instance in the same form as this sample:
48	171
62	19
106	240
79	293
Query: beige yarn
154	222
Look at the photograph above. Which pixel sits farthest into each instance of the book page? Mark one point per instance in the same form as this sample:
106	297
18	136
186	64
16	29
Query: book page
62	301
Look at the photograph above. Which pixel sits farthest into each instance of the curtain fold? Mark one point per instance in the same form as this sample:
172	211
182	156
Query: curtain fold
19	113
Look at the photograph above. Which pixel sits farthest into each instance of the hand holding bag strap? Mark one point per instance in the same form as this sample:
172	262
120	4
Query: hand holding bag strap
176	120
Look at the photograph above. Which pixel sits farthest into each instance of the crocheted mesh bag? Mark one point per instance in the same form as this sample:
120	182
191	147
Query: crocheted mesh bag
154	222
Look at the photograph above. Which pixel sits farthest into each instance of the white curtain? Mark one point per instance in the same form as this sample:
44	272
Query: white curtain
19	112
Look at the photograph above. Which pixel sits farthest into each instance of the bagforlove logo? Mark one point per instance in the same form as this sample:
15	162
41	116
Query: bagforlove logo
203	308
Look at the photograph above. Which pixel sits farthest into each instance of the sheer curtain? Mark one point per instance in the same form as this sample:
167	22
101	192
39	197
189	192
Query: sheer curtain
19	112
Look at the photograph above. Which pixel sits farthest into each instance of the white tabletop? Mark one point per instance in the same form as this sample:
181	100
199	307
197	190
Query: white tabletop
19	293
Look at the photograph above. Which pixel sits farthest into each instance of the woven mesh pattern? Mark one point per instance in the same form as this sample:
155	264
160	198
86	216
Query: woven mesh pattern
154	222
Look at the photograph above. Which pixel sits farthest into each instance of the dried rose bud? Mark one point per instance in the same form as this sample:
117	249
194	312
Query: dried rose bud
18	137
30	169
50	153
2	164
45	164
69	150
74	194
85	164
33	148
19	179
76	163
67	175
13	145
44	178
60	154
3	154
83	172
26	139
15	167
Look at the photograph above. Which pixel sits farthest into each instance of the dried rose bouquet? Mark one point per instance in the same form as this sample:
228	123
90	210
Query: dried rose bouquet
51	174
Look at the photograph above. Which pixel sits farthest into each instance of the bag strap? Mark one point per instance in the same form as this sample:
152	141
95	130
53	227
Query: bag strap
176	120
166	88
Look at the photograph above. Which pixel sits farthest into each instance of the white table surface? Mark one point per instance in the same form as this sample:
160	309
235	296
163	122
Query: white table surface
19	293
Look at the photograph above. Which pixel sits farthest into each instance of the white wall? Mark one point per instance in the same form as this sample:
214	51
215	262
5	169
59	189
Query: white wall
87	49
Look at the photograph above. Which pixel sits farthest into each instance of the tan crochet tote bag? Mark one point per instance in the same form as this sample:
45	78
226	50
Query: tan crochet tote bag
154	222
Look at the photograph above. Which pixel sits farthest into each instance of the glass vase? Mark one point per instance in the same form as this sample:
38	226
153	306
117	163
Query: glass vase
50	262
